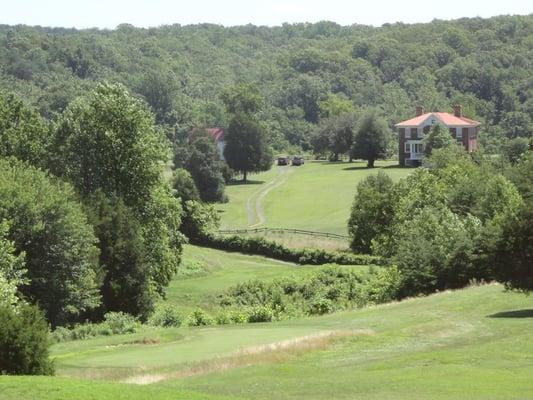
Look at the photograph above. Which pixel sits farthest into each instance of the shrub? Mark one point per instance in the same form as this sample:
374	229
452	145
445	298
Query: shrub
228	316
166	315
199	318
119	322
325	290
24	342
320	306
385	286
115	323
199	220
260	314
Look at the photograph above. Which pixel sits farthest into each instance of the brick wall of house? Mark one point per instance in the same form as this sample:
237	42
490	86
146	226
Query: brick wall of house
401	152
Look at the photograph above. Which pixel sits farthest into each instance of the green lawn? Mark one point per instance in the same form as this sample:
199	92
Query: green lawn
223	270
45	388
469	344
316	196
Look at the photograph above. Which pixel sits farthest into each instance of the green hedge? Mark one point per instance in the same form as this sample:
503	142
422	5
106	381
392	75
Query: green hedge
269	248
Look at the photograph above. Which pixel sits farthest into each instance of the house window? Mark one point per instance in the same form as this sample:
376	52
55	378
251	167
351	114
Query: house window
419	148
459	135
432	122
407	148
414	133
453	132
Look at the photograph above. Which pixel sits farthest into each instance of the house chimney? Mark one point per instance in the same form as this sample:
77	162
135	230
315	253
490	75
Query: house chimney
419	111
458	111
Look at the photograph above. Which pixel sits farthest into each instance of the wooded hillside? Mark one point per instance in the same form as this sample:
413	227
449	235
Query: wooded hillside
302	70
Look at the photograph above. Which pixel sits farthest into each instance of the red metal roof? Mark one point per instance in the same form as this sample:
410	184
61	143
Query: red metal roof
445	118
216	133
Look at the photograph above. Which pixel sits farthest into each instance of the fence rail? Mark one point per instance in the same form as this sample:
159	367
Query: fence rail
283	230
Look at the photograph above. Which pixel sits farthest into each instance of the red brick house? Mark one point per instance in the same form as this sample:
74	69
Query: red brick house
412	131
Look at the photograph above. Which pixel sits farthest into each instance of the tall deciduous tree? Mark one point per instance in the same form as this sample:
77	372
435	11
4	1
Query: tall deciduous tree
372	211
243	98
511	252
371	138
108	144
107	140
48	224
23	133
246	146
204	164
334	135
12	269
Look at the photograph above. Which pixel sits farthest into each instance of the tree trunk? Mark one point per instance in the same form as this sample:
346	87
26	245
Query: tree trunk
244	173
370	163
350	158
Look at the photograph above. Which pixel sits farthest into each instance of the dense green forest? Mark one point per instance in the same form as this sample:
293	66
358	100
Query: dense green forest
303	71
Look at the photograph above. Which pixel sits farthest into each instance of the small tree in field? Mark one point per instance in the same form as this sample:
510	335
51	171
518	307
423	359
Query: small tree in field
371	139
246	146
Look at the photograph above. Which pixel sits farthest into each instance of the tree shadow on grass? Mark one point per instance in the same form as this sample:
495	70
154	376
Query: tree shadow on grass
248	182
525	313
360	167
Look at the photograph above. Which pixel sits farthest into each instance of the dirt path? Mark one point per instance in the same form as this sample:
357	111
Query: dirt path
254	208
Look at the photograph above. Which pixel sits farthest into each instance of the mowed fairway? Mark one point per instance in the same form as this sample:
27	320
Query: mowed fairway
316	196
469	344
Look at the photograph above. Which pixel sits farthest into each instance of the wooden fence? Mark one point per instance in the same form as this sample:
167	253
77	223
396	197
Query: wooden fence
282	230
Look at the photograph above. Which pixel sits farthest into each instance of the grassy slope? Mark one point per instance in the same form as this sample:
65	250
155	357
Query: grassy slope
224	269
118	356
448	345
316	196
442	347
46	388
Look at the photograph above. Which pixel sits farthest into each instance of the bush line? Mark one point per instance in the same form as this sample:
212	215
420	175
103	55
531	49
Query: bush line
272	249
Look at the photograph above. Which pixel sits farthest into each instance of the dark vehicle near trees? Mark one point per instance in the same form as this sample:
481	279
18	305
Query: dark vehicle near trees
283	160
297	161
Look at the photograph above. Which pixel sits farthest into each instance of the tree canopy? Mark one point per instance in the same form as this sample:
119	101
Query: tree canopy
371	138
303	72
47	224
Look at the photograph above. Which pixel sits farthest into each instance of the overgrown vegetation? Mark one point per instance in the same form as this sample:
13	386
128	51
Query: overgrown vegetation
447	225
114	323
329	289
